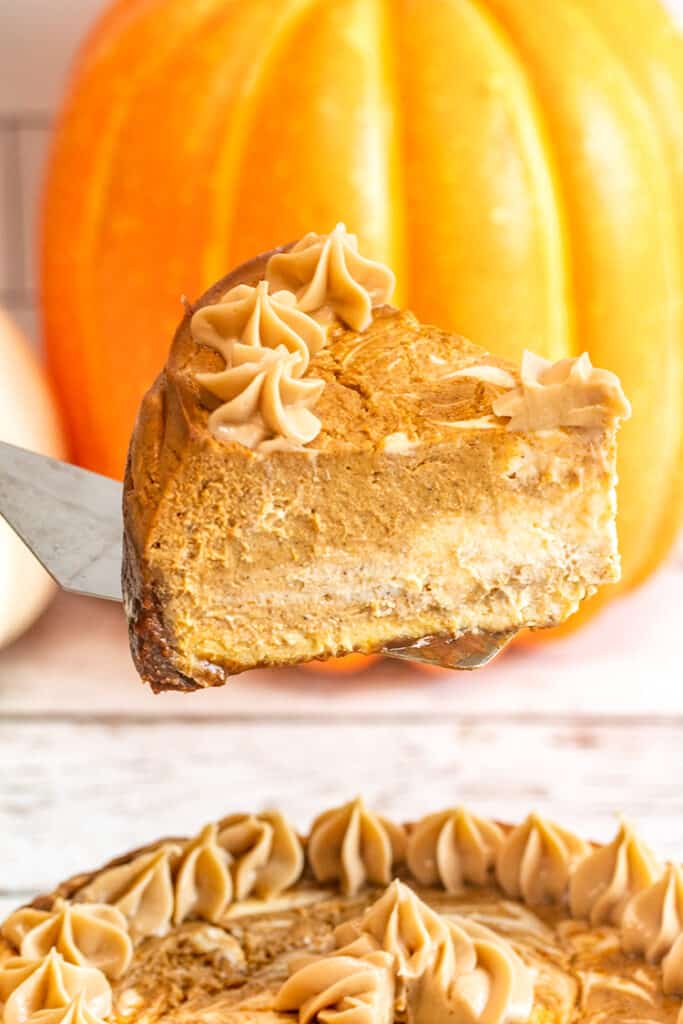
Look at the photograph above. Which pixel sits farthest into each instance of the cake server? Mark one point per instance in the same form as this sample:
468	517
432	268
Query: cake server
70	518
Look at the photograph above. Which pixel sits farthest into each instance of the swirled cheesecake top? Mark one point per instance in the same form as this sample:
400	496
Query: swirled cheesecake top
364	921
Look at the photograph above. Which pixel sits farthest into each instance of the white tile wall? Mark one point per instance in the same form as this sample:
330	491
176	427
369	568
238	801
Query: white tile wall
38	39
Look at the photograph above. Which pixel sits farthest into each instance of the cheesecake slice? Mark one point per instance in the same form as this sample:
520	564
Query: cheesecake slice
316	472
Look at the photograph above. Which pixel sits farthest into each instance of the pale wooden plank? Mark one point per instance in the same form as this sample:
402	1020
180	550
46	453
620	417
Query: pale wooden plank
75	794
626	662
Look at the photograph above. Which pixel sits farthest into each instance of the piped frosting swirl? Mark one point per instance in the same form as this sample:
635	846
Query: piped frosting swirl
266	343
203	885
672	970
353	846
608	878
535	861
142	890
568	393
266	855
76	1012
340	989
88	935
330	277
444	969
452	848
50	983
653	918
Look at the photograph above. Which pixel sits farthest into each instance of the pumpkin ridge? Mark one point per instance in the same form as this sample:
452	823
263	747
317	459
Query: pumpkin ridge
229	169
475	152
631	149
557	187
71	374
397	258
330	157
668	123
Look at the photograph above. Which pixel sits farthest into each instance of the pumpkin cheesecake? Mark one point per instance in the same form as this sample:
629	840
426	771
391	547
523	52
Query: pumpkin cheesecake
316	472
454	919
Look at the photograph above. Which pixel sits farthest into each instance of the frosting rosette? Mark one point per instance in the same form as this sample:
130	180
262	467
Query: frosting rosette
672	970
76	1012
604	882
258	318
497	990
568	393
452	848
401	924
340	989
203	885
266	343
89	935
536	859
328	275
141	889
266	855
444	969
653	918
352	845
50	983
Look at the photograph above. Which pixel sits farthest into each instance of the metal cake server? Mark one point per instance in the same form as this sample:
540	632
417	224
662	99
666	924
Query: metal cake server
70	518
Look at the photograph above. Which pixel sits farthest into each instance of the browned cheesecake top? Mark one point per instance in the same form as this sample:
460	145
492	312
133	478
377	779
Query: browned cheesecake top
455	918
308	328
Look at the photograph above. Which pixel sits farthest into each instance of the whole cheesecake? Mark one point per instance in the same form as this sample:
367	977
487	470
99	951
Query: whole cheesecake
454	919
316	472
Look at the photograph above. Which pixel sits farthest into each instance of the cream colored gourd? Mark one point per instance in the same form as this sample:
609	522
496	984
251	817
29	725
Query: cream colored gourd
28	418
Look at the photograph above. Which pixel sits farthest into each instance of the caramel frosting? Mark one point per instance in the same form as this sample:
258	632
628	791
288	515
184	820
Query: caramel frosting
89	935
76	1012
498	990
452	848
352	845
266	343
431	955
141	889
340	989
329	276
605	881
203	884
486	372
672	971
265	852
536	859
568	393
653	918
50	983
445	968
401	924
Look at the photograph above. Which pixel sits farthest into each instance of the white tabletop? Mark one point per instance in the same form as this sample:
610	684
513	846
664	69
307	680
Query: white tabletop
92	763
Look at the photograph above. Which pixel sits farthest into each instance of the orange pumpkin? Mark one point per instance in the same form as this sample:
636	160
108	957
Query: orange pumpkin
28	418
520	165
